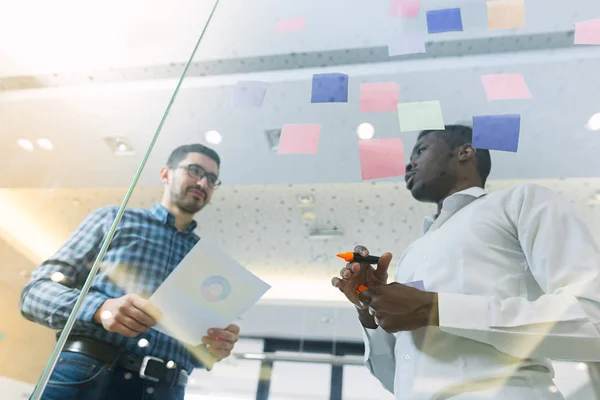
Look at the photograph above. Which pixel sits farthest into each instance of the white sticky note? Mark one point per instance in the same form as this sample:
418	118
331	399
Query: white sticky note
208	289
421	115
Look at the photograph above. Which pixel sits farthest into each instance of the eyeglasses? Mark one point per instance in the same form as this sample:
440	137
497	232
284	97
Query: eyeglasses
196	172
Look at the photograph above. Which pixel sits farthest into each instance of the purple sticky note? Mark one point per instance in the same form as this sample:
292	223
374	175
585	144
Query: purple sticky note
497	132
447	20
403	44
416	284
249	93
329	88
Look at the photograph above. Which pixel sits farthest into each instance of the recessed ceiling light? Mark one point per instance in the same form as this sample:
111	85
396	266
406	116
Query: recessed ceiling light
45	144
594	123
309	216
365	131
306	200
119	146
25	144
213	137
582	366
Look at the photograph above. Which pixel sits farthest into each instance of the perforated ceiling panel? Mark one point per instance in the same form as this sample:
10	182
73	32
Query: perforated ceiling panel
263	227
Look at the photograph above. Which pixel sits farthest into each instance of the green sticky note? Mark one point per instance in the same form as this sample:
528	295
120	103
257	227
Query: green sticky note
420	115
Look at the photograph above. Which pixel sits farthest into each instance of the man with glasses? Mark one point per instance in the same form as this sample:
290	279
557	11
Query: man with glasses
112	352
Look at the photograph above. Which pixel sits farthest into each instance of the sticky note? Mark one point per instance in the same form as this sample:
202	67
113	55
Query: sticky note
379	96
497	132
506	14
381	158
329	88
403	44
420	116
299	139
290	24
587	32
505	86
249	93
447	20
416	284
405	8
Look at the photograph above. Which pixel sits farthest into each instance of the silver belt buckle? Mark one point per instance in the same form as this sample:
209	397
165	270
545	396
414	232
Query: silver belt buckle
145	362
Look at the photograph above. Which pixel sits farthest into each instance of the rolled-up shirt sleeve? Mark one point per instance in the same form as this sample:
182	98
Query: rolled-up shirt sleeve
564	259
49	296
379	356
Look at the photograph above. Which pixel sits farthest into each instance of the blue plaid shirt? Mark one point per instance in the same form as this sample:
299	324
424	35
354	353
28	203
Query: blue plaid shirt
144	251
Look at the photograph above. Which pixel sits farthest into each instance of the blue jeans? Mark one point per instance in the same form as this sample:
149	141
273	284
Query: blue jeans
78	377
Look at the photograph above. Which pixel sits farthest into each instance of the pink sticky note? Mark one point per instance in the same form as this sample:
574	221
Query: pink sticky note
587	32
299	139
404	8
379	96
505	86
290	24
381	158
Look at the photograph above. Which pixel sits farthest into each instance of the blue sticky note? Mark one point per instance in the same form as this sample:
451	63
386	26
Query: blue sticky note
416	284
329	88
249	94
497	132
447	20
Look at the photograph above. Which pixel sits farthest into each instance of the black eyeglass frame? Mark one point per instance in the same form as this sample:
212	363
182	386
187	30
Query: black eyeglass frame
212	179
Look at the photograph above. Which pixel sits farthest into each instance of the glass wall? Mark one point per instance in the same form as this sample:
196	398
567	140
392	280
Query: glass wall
312	109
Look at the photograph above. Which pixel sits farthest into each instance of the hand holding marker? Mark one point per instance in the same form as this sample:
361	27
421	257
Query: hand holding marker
356	257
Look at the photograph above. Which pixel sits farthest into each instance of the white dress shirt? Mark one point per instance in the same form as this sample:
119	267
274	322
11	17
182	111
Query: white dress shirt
517	275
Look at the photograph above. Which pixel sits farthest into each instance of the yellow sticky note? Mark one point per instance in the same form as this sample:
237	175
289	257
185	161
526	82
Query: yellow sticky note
506	14
420	116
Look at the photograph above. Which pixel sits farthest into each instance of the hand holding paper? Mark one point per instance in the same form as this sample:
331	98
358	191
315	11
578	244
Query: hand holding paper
208	289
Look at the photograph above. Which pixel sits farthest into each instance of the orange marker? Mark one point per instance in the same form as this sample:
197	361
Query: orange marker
356	257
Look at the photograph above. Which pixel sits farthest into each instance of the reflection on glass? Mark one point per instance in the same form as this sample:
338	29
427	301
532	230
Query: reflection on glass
79	105
302	381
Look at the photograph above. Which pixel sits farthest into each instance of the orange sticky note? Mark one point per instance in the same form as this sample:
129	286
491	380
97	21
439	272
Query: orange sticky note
299	139
290	24
505	86
506	14
381	158
587	32
379	96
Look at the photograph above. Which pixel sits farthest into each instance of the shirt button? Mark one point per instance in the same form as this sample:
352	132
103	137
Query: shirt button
424	259
150	390
407	357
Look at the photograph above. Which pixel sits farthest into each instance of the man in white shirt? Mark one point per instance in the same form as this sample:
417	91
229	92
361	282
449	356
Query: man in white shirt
511	280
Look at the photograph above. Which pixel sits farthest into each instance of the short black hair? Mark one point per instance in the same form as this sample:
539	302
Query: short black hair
458	135
181	153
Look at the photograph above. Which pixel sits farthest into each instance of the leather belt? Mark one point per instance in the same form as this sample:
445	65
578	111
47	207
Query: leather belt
150	368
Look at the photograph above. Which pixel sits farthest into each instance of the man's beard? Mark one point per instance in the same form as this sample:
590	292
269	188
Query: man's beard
187	205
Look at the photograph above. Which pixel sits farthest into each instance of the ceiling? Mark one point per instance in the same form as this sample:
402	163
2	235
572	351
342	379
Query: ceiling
263	226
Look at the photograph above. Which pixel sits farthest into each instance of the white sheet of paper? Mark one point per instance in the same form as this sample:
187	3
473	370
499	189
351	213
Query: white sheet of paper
208	289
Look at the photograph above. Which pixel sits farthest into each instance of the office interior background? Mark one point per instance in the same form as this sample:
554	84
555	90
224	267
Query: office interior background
84	86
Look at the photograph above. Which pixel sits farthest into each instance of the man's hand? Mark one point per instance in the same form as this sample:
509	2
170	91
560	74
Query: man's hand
129	315
398	307
355	274
220	342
